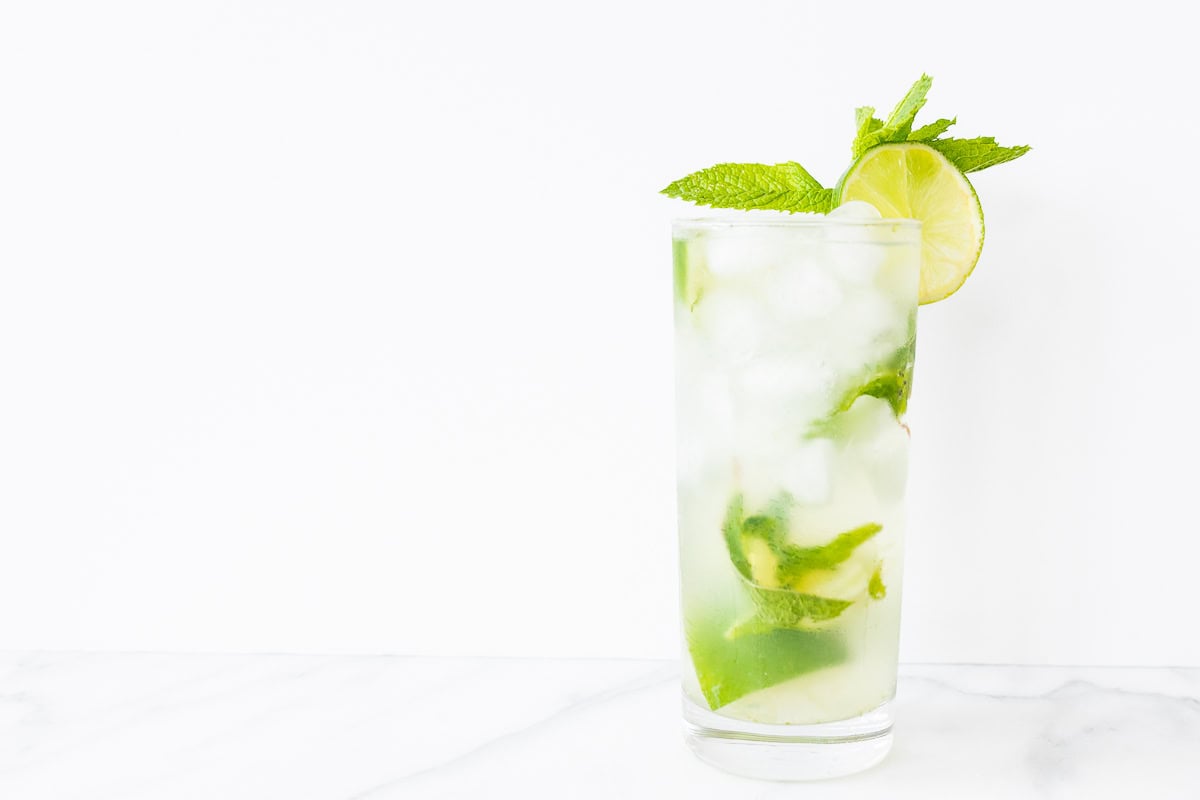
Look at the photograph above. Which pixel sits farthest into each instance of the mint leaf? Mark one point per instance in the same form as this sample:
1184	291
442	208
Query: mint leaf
781	608
731	528
969	155
972	155
769	527
931	131
865	120
891	387
891	381
781	187
866	124
876	588
791	561
899	123
901	120
780	508
795	561
786	607
782	637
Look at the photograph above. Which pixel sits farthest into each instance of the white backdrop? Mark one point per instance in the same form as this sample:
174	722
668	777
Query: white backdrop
344	326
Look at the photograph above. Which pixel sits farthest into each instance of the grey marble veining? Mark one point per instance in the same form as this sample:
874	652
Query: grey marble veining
167	727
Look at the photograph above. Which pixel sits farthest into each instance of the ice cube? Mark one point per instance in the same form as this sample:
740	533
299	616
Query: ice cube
735	254
732	324
798	467
866	330
850	503
855	209
782	380
885	455
856	261
877	444
705	426
766	424
857	251
801	290
732	253
807	472
900	276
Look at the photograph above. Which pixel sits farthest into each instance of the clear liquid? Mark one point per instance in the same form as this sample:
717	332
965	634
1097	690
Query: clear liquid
793	349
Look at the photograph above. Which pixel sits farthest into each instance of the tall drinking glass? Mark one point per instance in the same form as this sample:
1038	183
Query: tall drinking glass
794	350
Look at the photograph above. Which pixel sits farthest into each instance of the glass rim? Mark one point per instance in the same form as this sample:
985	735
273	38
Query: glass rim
798	221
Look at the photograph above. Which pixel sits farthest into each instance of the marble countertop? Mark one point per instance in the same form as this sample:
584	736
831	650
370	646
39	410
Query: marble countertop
178	727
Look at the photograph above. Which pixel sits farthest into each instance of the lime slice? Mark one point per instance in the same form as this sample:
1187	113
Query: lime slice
914	181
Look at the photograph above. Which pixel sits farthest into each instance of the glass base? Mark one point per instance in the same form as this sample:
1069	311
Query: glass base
789	752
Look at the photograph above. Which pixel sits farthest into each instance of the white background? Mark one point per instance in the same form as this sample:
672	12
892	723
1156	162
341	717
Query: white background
344	326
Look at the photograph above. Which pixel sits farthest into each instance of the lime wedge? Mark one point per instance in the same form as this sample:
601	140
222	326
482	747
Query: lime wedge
914	181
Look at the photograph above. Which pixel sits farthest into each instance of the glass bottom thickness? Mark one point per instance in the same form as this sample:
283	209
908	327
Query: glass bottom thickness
788	752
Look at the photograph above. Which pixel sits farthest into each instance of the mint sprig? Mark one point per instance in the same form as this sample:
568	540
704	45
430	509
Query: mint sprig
791	561
899	123
788	633
790	187
795	561
779	187
786	565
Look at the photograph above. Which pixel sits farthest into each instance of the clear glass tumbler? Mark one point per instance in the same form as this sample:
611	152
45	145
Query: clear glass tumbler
795	339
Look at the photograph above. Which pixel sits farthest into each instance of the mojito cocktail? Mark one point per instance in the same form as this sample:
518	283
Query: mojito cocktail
795	339
794	349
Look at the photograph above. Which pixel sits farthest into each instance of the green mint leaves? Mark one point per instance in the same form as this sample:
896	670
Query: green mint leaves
789	186
732	530
782	187
969	155
972	155
785	635
795	561
875	587
890	381
931	131
773	567
781	608
873	132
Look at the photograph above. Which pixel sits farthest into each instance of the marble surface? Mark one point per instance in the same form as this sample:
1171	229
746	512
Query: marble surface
177	727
